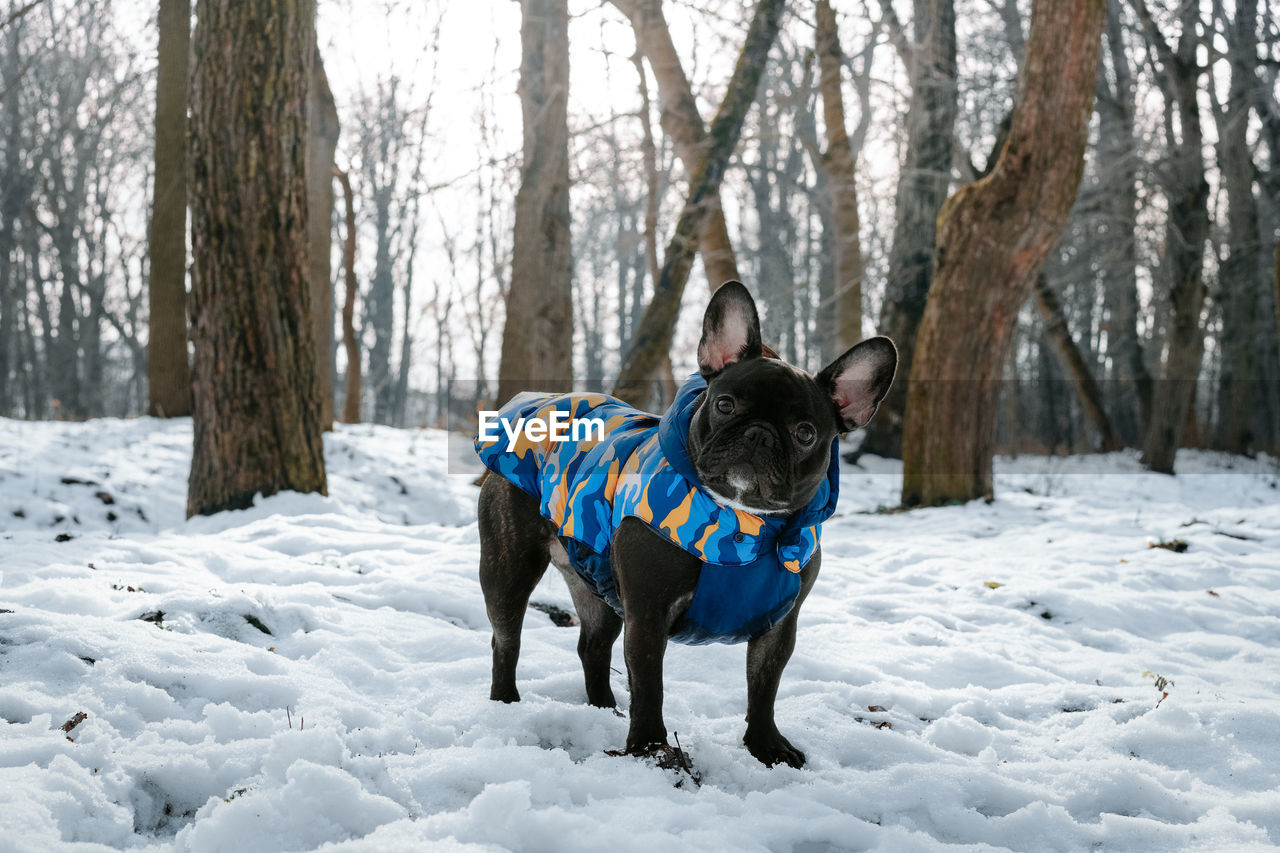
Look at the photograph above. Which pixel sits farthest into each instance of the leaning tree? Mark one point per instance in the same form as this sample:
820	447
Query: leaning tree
992	237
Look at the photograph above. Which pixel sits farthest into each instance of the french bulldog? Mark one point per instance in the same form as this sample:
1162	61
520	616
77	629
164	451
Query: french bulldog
761	442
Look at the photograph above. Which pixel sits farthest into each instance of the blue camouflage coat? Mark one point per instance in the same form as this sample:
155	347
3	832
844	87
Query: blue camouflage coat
751	564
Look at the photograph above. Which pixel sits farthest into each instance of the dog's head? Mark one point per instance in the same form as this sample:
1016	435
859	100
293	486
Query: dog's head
761	437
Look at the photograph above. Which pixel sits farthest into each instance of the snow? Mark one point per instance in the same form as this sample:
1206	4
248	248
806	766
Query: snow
972	677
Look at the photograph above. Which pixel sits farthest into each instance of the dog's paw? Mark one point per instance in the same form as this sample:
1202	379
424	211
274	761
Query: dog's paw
504	694
643	738
769	747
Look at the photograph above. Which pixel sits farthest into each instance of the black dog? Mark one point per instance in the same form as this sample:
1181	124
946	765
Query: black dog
760	443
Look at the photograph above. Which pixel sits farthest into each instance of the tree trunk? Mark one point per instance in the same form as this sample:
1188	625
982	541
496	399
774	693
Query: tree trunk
537	339
168	375
64	356
379	302
652	196
322	142
841	170
1186	229
1073	363
1239	280
922	188
14	192
992	237
351	401
652	339
684	125
257	400
1118	157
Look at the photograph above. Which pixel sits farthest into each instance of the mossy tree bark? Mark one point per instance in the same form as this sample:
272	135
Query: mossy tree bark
841	168
652	339
992	237
537	339
256	397
322	143
683	124
168	373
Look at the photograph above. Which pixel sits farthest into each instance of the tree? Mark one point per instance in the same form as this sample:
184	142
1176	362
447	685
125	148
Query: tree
1117	161
1186	229
168	375
322	142
1073	363
684	125
922	188
841	169
538	337
992	237
383	138
14	193
652	339
255	392
1239	279
350	341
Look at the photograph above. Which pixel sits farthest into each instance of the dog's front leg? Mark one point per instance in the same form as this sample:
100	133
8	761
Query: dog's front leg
655	581
644	643
767	656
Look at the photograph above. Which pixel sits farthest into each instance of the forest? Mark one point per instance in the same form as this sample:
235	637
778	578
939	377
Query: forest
1120	289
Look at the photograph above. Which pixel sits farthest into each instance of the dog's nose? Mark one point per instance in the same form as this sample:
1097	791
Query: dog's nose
758	436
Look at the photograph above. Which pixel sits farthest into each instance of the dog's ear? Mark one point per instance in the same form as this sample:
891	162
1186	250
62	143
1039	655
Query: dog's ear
859	380
730	329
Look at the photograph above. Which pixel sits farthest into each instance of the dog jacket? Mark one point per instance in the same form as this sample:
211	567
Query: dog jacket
750	575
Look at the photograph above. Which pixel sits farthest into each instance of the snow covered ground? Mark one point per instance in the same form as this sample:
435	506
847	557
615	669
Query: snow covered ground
314	671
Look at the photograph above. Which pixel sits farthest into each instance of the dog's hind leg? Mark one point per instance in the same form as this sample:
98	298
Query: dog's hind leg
514	552
600	627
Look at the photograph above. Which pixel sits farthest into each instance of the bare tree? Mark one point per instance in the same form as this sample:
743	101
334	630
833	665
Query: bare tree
322	143
1073	362
350	341
15	190
922	187
1186	230
537	339
652	340
980	283
1239	282
1118	160
168	374
684	125
841	168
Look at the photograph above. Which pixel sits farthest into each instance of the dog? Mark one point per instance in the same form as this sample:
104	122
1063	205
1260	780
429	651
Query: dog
699	526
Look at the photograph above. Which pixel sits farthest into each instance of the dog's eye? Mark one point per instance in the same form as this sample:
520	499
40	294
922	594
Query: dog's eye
805	434
724	405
